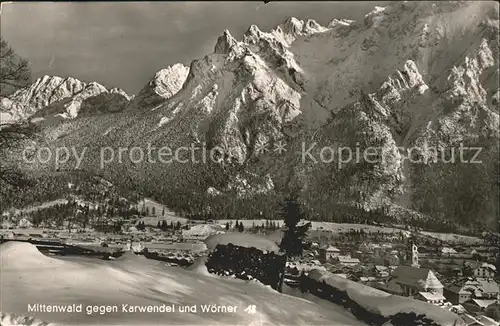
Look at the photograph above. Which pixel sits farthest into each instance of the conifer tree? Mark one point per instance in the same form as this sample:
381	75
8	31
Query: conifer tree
294	235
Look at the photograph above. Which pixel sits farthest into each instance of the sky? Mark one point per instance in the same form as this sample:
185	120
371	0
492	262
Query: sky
124	44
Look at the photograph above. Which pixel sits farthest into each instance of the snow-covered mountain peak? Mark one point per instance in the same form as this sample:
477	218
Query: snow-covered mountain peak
254	34
224	43
293	26
168	81
311	27
163	85
413	76
342	22
375	17
47	91
253	30
91	89
408	74
465	80
120	91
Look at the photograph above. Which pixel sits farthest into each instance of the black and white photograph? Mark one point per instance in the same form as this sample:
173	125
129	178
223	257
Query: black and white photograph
249	163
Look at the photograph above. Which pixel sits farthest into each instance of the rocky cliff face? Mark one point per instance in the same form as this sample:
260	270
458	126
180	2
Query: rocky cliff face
410	76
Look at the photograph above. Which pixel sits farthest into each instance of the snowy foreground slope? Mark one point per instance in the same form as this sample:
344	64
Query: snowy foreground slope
29	277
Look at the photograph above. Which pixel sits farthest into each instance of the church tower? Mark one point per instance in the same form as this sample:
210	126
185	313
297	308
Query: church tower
414	255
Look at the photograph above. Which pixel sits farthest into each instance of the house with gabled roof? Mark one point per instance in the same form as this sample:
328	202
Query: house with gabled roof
478	306
485	270
348	261
456	294
332	252
431	297
409	281
381	271
467	289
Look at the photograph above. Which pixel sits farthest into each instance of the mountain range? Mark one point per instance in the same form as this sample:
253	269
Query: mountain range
410	78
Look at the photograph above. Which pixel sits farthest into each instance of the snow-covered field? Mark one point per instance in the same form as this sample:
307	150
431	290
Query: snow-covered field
327	226
29	278
29	209
454	238
202	230
169	217
13	320
317	229
23	231
176	246
330	227
162	213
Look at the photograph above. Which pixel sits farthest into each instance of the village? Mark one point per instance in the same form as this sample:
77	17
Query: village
460	276
451	277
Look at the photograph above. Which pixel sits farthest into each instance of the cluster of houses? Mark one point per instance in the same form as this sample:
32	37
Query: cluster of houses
473	297
397	270
334	254
450	277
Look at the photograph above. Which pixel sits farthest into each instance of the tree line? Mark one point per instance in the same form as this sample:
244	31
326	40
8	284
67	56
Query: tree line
73	214
165	226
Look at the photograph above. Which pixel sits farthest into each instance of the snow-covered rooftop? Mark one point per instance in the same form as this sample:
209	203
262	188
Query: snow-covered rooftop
432	296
